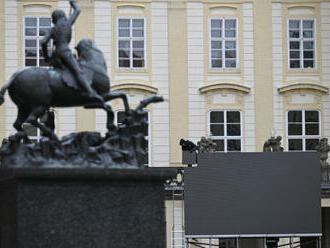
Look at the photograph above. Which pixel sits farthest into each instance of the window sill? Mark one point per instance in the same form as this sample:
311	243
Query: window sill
132	71
212	72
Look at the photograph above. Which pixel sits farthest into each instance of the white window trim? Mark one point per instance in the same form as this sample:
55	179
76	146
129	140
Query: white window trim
33	37
225	137
131	44
301	50
303	137
223	45
149	132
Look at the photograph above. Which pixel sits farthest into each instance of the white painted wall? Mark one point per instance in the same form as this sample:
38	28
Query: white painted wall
277	68
325	51
249	106
11	60
195	36
159	61
103	40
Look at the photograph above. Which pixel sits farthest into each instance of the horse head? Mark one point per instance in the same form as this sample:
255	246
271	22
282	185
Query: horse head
90	55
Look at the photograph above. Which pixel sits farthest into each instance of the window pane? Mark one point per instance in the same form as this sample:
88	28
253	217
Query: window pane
220	145
295	116
30	43
230	54
308	44
308	64
43	31
217	130
294	64
45	22
138	63
30	31
123	63
308	54
216	117
138	33
233	145
295	129
123	23
308	34
138	44
124	44
230	63
311	116
30	21
123	32
230	44
138	54
230	33
294	44
294	24
120	116
308	24
311	144
294	34
295	145
216	24
230	24
123	53
30	62
312	129
295	55
216	45
233	129
215	33
30	52
216	54
145	147
138	23
233	117
217	63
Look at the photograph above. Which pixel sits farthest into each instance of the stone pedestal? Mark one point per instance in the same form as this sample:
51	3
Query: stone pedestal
85	208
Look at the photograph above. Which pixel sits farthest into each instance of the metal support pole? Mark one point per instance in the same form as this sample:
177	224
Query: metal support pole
291	246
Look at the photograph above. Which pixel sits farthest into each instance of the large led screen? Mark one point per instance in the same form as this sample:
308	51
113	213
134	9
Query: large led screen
253	194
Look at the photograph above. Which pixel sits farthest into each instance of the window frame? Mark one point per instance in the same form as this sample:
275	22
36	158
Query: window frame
226	137
303	137
37	37
222	39
301	40
131	43
149	132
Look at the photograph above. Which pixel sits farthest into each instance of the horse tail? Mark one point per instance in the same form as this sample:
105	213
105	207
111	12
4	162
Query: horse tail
6	86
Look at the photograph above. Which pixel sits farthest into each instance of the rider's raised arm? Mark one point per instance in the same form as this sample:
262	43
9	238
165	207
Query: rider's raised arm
44	43
76	12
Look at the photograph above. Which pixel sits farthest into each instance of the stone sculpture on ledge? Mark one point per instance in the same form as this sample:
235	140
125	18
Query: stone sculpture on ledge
71	82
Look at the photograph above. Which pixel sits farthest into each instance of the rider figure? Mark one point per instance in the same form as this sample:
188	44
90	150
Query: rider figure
61	35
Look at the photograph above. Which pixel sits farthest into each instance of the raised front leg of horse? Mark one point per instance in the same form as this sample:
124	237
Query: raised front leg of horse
36	113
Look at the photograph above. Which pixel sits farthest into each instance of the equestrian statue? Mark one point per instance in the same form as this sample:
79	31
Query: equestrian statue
70	82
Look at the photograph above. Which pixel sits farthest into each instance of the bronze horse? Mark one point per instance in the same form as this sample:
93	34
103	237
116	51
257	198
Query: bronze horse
34	90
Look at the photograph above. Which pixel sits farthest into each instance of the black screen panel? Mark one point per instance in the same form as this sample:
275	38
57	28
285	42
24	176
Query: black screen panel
253	194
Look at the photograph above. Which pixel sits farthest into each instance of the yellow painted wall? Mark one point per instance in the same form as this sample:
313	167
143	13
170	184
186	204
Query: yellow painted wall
2	68
263	71
84	28
178	78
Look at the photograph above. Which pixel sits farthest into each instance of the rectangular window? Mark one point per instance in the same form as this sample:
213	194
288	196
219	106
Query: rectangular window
35	29
303	129
120	117
223	43
131	43
225	130
34	133
301	43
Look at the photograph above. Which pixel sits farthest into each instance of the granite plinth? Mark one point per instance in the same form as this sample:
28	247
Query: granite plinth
85	208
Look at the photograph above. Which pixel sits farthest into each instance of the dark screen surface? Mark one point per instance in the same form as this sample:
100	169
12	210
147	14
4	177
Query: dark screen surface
253	194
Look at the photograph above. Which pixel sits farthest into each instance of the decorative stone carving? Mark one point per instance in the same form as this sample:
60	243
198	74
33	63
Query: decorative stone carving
206	145
323	148
273	145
